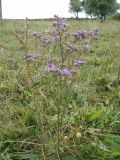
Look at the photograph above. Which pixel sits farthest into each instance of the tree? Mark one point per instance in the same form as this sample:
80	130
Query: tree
100	8
75	7
0	9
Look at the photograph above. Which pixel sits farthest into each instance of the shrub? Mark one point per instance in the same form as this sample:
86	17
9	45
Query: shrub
116	17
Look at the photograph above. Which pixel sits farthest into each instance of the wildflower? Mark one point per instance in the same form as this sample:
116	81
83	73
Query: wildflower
78	63
32	57
71	47
50	62
52	68
86	46
64	27
56	39
95	33
52	32
28	58
79	35
45	41
67	34
37	34
66	72
57	21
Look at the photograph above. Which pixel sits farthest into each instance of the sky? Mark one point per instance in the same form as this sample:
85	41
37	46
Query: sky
20	9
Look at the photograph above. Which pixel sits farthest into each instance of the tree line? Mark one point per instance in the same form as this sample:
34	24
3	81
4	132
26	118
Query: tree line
94	8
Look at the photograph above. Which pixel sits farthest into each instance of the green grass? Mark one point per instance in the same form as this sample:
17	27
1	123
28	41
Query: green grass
90	101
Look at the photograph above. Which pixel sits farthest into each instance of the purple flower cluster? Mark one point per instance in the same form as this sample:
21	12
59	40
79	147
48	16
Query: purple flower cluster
37	35
63	42
67	72
32	57
80	35
52	32
58	21
67	34
51	68
60	25
71	47
45	41
78	63
95	33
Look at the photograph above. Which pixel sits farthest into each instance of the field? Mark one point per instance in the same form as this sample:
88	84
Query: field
45	116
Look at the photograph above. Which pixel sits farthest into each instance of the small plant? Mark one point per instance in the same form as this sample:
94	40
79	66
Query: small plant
22	35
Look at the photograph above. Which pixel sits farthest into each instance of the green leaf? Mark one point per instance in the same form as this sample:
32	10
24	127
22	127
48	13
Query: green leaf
113	141
27	156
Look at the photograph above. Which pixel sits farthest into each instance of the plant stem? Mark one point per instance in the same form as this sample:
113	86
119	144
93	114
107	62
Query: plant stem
58	132
59	122
61	50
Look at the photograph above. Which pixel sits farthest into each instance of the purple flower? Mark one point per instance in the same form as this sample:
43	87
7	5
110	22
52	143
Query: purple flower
70	47
67	34
52	32
37	34
45	41
94	37
56	39
50	61
95	33
59	24
32	57
64	27
52	68
78	63
29	58
57	21
79	35
86	46
66	72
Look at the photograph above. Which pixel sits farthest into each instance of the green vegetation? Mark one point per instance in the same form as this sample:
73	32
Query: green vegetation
116	16
76	7
100	8
29	98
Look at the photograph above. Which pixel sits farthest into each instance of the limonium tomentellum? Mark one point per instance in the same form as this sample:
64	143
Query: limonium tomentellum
86	46
59	41
78	63
80	35
32	57
67	72
95	33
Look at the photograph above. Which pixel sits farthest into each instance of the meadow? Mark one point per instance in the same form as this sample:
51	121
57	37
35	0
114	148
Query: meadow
46	116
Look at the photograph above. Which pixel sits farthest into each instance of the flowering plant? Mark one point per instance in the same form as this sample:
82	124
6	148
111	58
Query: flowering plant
67	44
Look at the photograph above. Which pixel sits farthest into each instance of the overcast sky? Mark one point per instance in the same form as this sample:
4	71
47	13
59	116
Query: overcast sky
36	8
